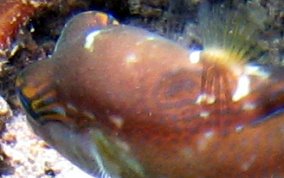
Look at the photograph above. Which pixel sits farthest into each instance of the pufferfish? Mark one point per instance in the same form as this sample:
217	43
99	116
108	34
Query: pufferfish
122	102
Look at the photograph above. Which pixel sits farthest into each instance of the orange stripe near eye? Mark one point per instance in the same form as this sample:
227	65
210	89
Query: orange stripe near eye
32	91
103	18
29	92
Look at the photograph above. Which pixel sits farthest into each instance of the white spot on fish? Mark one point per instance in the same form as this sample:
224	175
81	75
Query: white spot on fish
194	57
204	114
243	88
117	121
71	107
209	134
247	164
239	128
249	106
205	98
150	38
89	115
123	145
131	59
90	38
203	142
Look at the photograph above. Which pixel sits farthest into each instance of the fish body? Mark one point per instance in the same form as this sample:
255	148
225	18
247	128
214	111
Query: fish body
119	101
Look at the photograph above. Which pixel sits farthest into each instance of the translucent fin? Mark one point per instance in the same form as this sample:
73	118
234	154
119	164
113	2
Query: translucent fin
228	36
229	41
115	160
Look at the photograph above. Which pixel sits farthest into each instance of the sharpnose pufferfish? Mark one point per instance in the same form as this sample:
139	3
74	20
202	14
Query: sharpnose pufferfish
122	102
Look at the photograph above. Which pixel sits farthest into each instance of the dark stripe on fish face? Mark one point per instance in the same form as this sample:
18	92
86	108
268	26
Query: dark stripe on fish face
39	106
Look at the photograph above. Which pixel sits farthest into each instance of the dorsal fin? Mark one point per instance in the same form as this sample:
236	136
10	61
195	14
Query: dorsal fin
228	36
229	41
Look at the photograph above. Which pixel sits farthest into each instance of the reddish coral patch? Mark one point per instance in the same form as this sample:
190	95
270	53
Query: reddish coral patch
14	14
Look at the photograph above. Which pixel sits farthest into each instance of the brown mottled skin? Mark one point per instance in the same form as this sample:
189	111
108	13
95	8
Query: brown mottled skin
150	88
